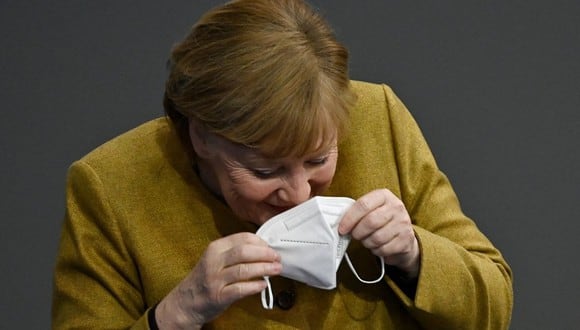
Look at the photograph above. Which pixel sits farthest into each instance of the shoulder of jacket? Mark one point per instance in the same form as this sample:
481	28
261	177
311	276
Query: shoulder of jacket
365	88
372	94
131	142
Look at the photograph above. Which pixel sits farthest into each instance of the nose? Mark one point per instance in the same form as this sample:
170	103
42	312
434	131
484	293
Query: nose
296	188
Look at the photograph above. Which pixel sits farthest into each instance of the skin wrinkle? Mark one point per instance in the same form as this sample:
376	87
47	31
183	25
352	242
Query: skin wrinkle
230	170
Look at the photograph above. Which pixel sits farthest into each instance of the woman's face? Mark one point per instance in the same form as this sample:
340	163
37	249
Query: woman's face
258	188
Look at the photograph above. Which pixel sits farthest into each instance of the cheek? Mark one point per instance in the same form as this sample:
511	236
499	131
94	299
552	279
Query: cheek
247	200
242	186
323	176
254	190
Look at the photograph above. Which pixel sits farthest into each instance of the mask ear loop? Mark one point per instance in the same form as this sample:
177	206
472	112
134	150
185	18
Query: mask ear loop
356	274
267	303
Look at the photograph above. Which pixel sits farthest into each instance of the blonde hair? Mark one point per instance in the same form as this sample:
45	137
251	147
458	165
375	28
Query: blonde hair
268	74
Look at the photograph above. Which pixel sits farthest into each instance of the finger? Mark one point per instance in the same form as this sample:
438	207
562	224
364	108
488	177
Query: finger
249	271
239	239
372	222
239	290
402	243
360	208
378	238
249	253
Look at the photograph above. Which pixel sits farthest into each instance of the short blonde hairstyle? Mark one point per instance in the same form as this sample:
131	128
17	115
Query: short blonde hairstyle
268	74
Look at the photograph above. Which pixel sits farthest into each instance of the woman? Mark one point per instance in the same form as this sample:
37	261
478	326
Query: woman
160	222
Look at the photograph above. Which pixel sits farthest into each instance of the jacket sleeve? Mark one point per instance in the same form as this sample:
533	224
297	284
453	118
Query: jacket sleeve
464	282
96	284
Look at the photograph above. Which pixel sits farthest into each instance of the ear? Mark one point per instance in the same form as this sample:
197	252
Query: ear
199	137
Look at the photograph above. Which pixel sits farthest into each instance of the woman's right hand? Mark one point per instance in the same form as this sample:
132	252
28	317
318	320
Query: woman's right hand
230	269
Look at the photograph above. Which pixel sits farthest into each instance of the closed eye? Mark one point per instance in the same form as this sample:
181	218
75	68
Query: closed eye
264	173
268	173
318	161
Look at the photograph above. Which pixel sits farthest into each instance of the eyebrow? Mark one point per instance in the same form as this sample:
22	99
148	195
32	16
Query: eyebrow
248	154
257	159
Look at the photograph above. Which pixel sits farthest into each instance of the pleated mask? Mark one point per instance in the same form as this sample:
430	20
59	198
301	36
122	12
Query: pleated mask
310	247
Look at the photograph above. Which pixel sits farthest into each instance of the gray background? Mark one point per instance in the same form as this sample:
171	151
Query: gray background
493	84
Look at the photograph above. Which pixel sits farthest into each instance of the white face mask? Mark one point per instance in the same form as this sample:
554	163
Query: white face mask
307	239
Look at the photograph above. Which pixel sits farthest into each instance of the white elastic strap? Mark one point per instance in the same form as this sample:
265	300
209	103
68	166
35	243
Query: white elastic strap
267	304
356	274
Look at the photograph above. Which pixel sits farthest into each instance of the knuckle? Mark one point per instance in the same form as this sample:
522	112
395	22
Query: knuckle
364	205
212	246
247	237
237	253
369	243
374	221
385	191
356	233
242	271
399	206
374	241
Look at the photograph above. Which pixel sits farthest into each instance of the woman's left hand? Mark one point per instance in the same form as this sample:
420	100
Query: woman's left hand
381	222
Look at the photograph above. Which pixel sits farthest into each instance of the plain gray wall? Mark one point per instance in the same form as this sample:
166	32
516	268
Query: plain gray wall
495	86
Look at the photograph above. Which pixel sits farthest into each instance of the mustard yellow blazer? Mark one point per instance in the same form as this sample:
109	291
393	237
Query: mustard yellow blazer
138	219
